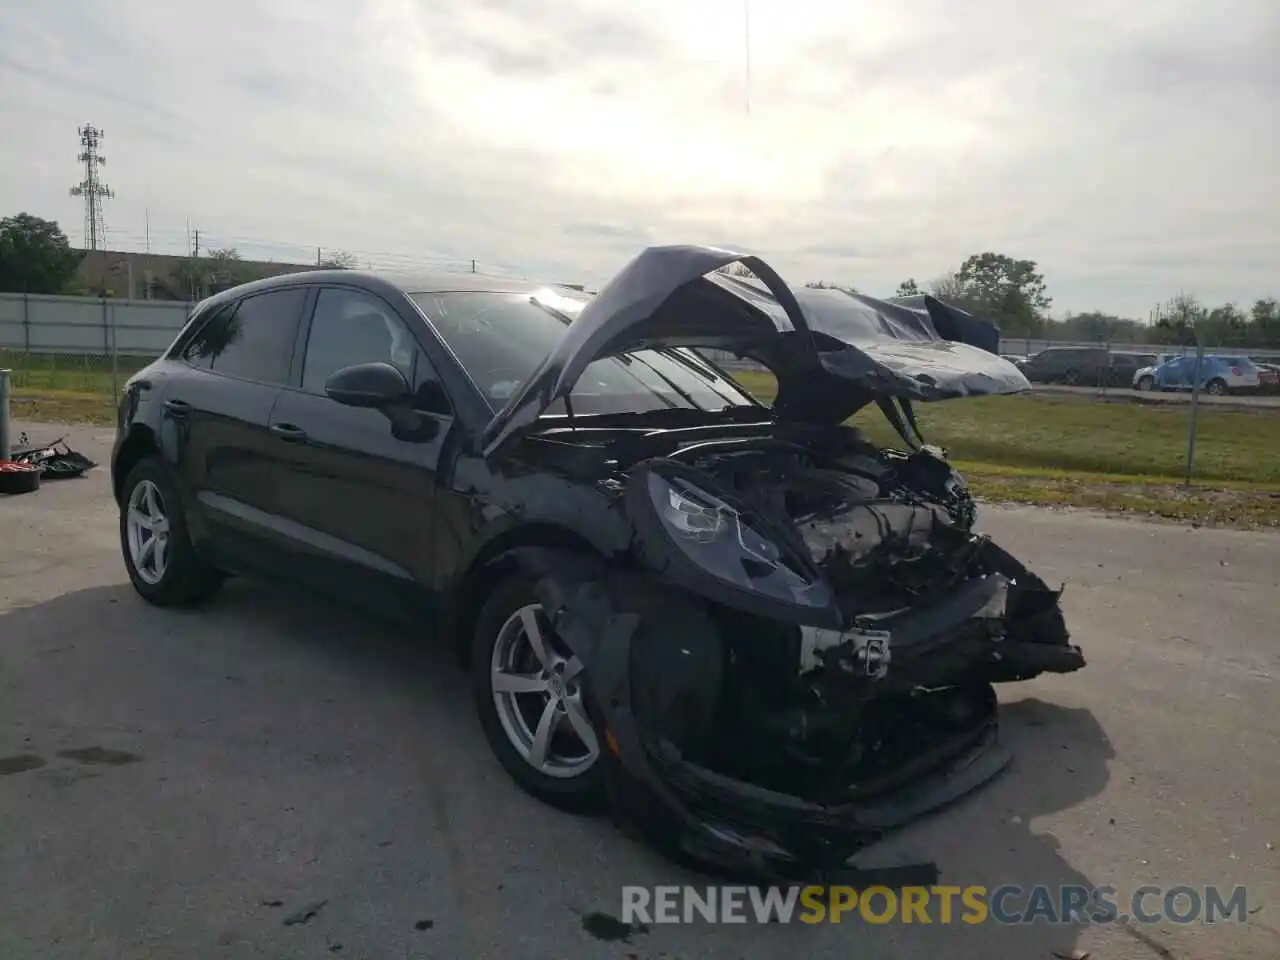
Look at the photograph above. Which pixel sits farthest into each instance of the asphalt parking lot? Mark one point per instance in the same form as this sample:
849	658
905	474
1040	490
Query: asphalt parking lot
278	777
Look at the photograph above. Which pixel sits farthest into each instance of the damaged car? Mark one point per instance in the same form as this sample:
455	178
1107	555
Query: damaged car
762	637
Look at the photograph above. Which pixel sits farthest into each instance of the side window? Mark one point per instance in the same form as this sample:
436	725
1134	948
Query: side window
198	351
252	339
350	327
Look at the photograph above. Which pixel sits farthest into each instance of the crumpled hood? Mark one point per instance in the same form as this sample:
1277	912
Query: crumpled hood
832	352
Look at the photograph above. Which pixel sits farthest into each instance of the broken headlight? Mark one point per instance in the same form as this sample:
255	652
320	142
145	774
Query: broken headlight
721	541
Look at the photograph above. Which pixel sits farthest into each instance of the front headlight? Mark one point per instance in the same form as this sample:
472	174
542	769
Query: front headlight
722	542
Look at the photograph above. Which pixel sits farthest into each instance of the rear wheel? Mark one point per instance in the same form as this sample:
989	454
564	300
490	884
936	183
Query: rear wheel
1071	378
1217	388
158	555
533	703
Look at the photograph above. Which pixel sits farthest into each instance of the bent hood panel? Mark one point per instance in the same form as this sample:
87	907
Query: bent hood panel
831	351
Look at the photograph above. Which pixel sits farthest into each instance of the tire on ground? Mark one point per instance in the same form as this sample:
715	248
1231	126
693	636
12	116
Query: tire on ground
580	794
187	578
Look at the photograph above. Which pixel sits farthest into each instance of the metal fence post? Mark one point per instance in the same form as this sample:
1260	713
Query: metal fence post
26	325
115	356
1195	406
5	446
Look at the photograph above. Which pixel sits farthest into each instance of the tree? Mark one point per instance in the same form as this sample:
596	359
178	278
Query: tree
1005	291
1097	326
35	255
1178	320
1264	322
907	288
225	269
192	275
949	289
824	285
340	260
1225	325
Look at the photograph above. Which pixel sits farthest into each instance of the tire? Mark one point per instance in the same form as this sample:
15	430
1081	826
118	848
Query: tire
182	578
1217	388
500	636
1147	384
1071	378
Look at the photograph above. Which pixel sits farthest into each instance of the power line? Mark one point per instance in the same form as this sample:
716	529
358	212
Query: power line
92	188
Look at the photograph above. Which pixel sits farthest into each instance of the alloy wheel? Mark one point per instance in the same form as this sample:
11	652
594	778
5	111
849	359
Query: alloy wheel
147	527
538	695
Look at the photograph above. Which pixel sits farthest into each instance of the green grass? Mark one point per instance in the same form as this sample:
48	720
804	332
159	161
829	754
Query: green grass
1077	450
87	374
1111	440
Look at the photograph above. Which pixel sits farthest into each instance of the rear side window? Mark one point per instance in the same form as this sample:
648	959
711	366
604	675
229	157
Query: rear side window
252	340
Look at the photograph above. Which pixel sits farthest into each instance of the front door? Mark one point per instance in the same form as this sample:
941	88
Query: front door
358	501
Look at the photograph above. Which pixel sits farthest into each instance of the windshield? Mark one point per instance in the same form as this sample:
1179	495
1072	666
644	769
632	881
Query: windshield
500	338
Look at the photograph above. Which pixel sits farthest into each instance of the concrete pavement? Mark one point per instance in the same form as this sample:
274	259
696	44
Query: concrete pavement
275	776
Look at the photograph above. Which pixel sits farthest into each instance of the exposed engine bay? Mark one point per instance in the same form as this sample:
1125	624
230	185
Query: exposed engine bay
839	624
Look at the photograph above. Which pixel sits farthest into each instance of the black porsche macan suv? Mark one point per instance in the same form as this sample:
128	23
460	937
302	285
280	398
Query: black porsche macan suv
765	637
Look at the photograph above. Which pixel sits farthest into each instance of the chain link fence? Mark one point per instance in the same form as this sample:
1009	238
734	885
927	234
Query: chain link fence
1101	407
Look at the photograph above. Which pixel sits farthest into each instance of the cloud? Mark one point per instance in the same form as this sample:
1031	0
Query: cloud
1129	150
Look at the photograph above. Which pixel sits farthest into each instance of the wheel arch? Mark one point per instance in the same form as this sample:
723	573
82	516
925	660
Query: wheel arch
496	560
139	443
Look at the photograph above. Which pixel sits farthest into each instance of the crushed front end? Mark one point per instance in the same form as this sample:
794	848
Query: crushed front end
802	656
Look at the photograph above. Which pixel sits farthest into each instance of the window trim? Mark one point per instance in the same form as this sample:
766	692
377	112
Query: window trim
196	322
235	305
303	338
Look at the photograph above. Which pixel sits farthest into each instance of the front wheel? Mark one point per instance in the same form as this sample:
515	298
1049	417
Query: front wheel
533	702
1146	384
158	555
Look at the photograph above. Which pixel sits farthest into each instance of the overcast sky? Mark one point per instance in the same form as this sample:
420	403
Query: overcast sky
1130	149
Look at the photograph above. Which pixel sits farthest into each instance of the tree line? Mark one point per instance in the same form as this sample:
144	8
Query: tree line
36	257
1012	294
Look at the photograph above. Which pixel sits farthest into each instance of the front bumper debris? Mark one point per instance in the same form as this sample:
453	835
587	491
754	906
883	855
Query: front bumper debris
695	813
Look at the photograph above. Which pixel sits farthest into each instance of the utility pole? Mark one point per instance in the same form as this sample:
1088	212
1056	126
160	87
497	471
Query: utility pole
196	284
317	256
92	188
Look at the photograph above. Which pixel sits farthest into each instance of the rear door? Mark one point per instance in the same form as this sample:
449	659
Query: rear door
1177	374
216	421
359	502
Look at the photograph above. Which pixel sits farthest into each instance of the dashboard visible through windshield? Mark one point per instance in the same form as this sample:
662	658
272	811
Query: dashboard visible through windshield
500	338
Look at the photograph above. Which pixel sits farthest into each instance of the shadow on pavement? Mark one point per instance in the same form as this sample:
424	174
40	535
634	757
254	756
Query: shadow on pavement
294	707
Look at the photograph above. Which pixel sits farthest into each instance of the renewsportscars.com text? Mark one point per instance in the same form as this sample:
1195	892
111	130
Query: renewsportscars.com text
1008	904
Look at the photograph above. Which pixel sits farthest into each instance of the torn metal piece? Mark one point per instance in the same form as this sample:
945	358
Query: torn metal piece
56	460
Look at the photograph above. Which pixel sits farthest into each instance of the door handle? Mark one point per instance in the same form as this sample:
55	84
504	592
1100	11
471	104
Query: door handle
178	408
289	433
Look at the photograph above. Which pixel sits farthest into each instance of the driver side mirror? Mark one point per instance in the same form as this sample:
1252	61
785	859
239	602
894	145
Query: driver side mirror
369	385
382	387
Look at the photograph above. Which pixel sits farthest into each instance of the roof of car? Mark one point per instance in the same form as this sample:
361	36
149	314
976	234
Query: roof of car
442	282
409	283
